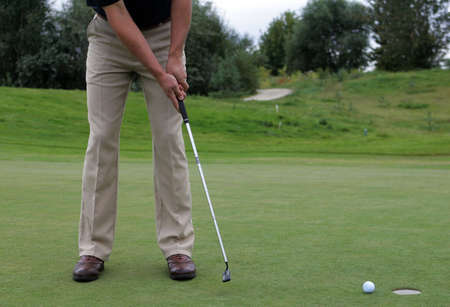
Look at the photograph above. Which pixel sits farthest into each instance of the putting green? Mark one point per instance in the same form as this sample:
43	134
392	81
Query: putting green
305	230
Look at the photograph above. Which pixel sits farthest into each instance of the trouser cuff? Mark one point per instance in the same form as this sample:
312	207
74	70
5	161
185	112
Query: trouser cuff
87	253
179	251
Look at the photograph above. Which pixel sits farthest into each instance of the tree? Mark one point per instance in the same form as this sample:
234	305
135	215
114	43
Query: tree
248	71
61	60
331	35
206	42
411	34
21	25
47	49
236	73
226	77
274	40
73	21
211	48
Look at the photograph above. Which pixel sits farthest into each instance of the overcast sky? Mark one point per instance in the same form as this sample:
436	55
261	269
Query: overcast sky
253	17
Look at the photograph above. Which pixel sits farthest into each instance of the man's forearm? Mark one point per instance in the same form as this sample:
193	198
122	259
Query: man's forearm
181	21
127	31
130	35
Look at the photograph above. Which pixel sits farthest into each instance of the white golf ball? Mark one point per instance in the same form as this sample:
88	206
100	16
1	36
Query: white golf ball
368	287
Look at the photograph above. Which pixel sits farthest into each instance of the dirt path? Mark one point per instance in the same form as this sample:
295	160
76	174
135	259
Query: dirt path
270	94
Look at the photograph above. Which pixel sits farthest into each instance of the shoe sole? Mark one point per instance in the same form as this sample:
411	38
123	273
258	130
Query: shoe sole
83	278
185	276
86	278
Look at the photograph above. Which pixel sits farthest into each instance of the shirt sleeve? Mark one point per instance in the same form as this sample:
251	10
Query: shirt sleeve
100	3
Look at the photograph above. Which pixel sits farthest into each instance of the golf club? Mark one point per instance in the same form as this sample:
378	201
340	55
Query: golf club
226	275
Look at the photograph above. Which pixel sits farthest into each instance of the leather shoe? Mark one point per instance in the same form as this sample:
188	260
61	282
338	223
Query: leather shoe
181	267
88	269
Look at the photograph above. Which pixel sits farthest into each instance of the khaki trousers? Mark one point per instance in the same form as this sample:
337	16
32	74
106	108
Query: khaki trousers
110	67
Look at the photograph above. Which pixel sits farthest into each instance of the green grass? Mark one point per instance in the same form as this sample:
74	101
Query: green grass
373	101
308	211
298	230
34	120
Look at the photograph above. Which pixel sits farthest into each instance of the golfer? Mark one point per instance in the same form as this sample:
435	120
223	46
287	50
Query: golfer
143	38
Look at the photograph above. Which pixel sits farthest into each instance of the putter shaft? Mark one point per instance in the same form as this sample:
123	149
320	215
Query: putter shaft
205	188
226	276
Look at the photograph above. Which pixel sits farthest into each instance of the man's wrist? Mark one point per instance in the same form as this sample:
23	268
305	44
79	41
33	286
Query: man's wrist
159	74
176	53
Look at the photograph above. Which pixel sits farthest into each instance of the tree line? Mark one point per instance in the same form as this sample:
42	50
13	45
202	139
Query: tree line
44	48
335	34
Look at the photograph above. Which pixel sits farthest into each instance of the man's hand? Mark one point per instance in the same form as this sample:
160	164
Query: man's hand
176	68
172	88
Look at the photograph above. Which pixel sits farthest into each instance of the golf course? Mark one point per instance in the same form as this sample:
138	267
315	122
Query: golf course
345	180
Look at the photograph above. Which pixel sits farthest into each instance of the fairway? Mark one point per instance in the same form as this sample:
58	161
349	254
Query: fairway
298	229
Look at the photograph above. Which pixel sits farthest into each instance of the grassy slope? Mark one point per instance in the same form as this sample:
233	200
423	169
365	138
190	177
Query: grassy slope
54	121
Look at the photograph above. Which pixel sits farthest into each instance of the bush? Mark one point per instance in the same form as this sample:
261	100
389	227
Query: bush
226	78
248	72
235	74
413	106
323	122
60	62
218	59
22	27
207	42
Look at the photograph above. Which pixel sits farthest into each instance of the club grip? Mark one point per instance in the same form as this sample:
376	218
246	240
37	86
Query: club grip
183	111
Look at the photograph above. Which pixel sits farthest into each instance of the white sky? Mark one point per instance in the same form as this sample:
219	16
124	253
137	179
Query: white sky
254	17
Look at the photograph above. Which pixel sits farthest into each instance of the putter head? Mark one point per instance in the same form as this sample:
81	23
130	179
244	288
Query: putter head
226	275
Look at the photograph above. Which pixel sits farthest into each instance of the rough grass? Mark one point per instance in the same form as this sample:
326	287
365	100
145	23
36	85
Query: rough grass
34	120
372	101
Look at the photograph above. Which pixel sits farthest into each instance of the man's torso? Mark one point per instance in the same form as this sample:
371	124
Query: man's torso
145	13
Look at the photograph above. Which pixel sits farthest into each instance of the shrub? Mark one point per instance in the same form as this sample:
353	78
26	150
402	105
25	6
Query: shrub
323	122
235	74
226	78
218	59
413	106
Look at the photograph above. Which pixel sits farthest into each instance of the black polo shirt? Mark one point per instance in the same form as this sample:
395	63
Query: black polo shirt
145	13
